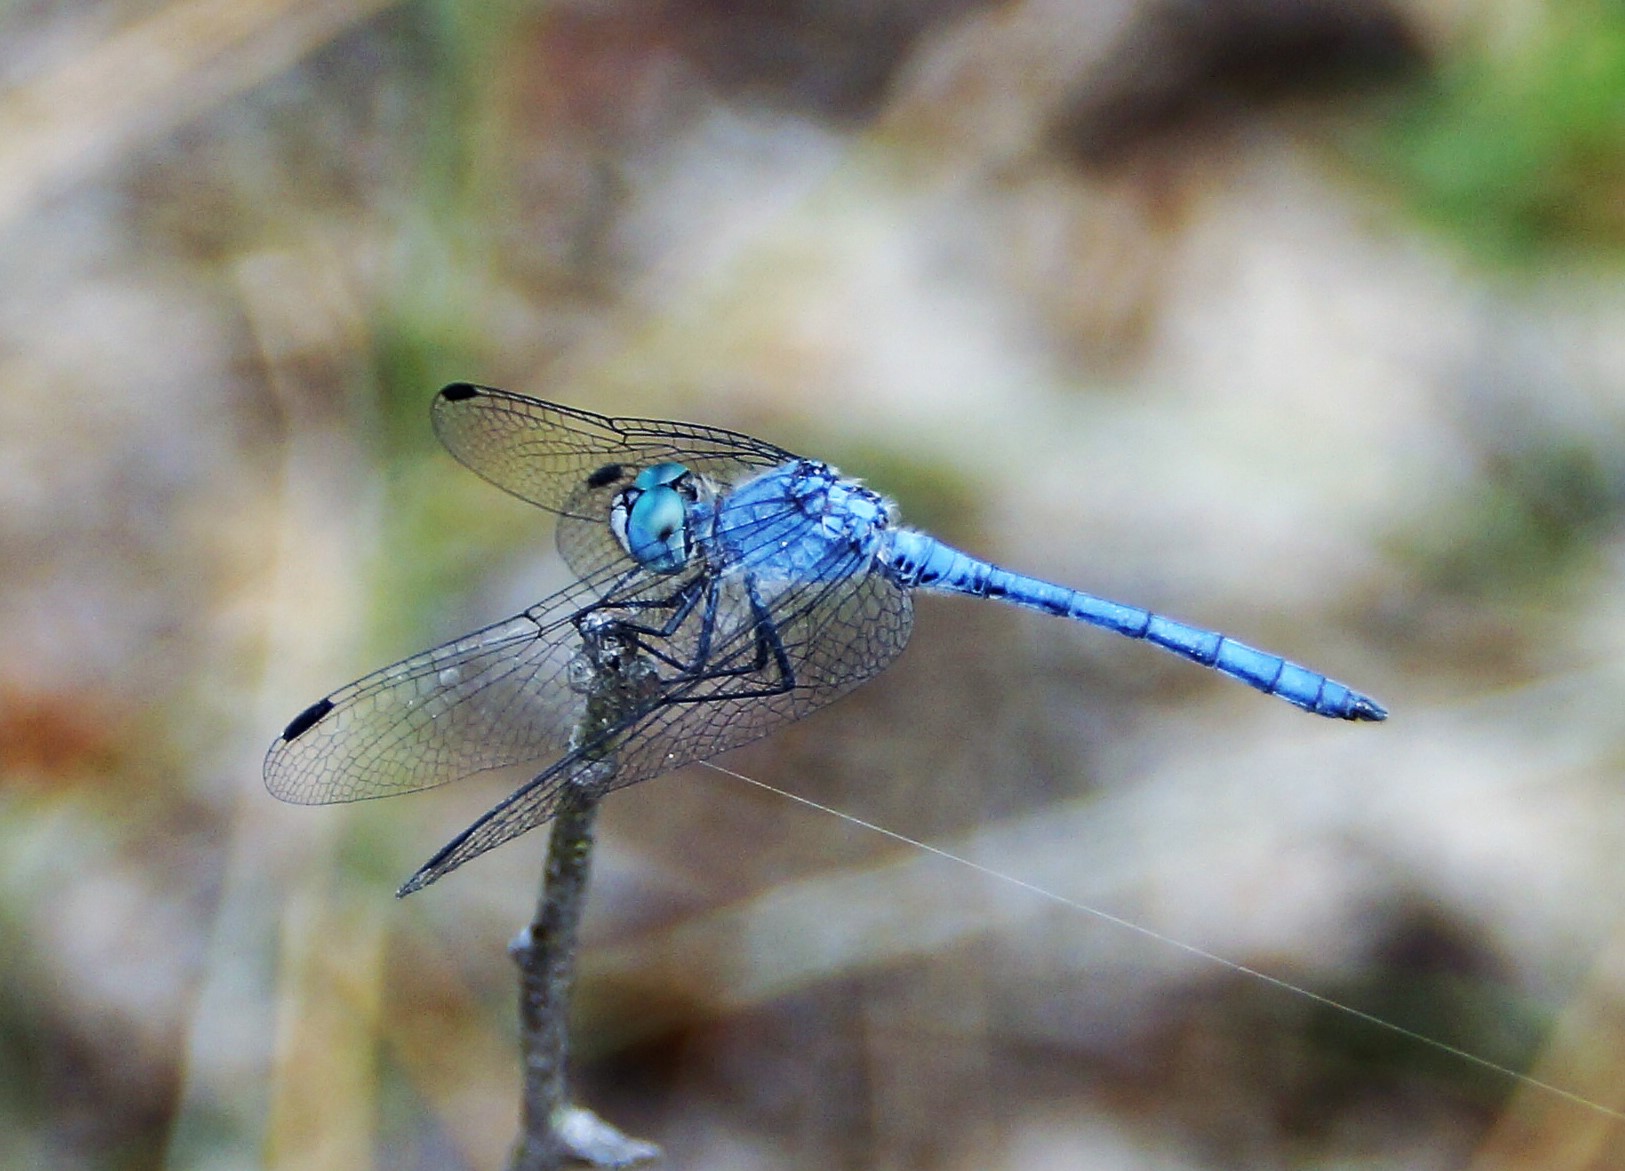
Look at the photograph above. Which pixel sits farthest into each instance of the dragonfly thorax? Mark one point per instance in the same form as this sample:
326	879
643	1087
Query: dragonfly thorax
650	518
801	521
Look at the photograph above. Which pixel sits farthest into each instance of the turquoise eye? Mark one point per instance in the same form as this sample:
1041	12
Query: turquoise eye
659	476
650	519
657	530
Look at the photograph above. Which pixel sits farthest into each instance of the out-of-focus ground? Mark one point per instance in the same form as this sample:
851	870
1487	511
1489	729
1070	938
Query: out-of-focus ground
1304	319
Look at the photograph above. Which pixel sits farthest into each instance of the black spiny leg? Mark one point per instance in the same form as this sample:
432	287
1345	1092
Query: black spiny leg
768	646
702	591
681	603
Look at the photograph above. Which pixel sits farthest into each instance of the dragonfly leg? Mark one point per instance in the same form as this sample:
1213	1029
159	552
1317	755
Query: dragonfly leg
700	595
767	646
681	603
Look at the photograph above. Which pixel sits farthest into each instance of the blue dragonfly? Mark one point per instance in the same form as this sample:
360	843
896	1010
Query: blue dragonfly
724	587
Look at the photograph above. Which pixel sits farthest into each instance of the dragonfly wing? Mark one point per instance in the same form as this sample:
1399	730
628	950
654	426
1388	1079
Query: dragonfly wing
573	462
834	633
546	453
494	698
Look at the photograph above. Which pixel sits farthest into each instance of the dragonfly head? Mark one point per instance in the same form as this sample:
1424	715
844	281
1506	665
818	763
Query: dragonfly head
650	518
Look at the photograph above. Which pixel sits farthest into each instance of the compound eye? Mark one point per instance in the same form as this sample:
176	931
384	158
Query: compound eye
660	476
653	527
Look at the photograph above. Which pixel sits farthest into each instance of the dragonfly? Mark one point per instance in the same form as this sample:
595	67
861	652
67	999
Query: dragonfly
724	587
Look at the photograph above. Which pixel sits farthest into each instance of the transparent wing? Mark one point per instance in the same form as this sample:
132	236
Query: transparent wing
501	696
547	454
573	462
833	634
494	698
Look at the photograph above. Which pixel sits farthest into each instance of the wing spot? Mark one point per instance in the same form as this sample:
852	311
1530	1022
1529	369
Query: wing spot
458	391
605	476
307	719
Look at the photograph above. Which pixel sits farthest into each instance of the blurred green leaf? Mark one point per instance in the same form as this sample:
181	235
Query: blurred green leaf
1520	155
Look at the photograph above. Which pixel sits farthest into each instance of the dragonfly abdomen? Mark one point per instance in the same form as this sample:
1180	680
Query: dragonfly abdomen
922	562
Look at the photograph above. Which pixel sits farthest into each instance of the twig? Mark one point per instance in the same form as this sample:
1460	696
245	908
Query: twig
616	682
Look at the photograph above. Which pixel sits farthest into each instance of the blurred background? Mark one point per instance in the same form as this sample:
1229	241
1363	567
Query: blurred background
1302	319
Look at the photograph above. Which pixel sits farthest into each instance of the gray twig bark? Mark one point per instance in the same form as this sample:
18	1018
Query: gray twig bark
616	683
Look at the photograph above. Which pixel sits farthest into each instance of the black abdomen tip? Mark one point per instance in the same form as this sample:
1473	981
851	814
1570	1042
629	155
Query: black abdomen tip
1366	709
456	392
307	719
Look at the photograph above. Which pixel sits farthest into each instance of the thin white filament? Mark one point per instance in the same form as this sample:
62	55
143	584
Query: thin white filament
1190	949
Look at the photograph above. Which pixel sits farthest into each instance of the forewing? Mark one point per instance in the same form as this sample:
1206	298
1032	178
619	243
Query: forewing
572	461
494	698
